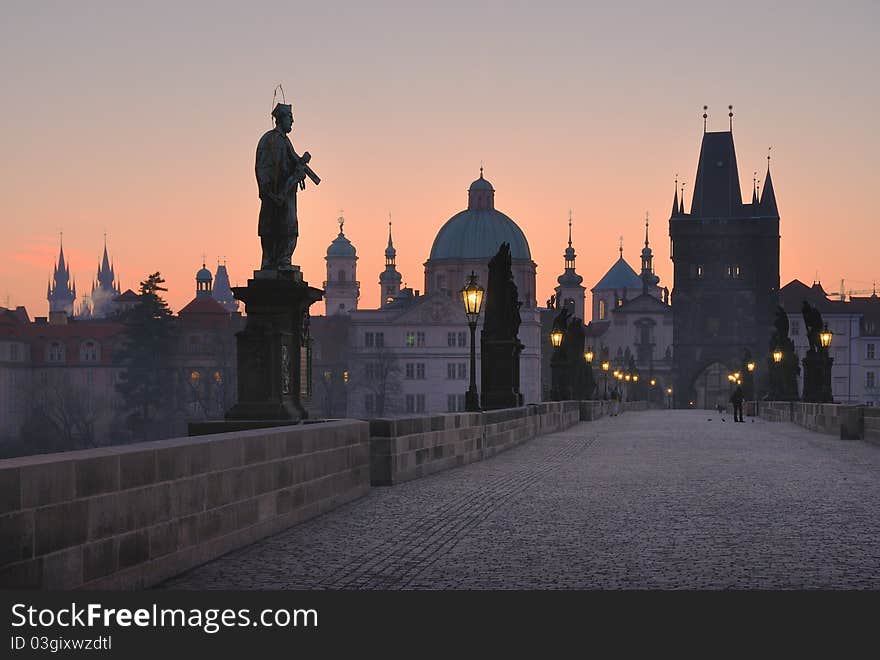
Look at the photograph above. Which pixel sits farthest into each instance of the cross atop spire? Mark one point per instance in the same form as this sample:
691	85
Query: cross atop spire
620	248
705	117
569	227
730	115
646	229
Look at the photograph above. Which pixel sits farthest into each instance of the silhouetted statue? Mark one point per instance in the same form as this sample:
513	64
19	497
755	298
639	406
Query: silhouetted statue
781	323
500	344
813	325
280	171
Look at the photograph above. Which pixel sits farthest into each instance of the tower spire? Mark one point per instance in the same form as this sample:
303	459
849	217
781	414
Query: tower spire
646	229
705	117
675	197
730	116
620	248
569	227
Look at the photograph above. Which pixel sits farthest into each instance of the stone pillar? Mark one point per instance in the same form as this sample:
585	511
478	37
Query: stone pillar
500	373
273	350
817	377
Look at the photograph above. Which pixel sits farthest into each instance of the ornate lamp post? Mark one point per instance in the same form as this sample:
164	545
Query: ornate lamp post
558	390
606	365
589	383
472	298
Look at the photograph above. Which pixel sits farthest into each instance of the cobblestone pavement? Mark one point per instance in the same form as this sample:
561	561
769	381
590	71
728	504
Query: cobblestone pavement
659	499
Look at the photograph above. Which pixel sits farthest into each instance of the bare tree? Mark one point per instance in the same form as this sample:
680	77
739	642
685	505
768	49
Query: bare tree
378	373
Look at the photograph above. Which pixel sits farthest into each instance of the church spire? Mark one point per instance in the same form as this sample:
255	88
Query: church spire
768	196
389	279
675	198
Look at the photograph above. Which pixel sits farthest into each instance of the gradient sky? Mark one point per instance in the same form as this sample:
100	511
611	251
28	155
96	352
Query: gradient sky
142	121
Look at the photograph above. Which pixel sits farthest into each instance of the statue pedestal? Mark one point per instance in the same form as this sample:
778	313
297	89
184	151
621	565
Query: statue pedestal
817	377
559	390
274	363
500	373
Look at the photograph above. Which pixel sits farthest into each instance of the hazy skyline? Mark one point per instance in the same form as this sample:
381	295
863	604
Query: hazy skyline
143	122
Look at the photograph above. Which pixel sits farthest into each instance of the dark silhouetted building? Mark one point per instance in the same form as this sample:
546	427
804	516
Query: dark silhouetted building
726	275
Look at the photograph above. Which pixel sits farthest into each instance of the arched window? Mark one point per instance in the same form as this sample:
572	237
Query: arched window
602	311
89	351
55	352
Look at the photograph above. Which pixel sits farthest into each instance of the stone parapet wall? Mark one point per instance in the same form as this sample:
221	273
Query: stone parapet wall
131	516
844	421
411	447
871	424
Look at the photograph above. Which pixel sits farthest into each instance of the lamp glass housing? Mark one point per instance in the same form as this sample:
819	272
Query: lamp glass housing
588	356
556	338
825	337
777	356
750	366
472	298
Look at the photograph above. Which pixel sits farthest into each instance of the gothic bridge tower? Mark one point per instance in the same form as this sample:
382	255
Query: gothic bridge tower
725	258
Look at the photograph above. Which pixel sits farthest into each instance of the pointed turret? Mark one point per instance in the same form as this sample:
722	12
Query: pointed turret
222	291
675	209
105	287
768	197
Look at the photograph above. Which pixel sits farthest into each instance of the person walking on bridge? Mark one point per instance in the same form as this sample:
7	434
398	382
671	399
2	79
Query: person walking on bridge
737	399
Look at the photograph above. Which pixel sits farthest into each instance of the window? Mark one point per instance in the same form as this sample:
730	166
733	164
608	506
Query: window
601	310
370	371
341	276
13	352
420	371
462	371
462	339
461	400
410	371
341	305
88	352
380	339
450	371
410	339
869	379
869	354
410	403
698	271
795	328
420	339
450	339
441	282
369	403
451	400
420	403
369	339
55	352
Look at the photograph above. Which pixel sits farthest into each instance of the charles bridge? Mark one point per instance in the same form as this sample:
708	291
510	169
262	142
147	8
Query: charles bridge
556	495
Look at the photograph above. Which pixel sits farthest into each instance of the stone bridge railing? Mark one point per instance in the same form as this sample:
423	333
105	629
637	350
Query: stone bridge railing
849	422
133	515
128	517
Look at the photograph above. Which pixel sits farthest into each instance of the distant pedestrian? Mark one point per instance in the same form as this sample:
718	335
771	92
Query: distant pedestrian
615	402
737	399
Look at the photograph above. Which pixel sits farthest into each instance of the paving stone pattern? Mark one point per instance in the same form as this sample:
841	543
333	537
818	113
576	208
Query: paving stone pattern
652	500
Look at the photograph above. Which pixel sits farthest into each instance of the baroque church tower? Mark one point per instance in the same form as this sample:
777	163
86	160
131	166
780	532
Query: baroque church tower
725	258
59	293
570	292
341	289
389	279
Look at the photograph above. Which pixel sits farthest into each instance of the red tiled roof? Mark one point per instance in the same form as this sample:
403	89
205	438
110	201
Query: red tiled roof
204	305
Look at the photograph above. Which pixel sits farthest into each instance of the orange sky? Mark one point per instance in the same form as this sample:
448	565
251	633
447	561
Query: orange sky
143	123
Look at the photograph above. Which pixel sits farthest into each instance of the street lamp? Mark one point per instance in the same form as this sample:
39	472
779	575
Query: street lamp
825	337
472	297
588	355
556	338
777	355
606	365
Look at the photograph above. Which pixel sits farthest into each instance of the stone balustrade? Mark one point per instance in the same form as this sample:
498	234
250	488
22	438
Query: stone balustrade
845	421
130	516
